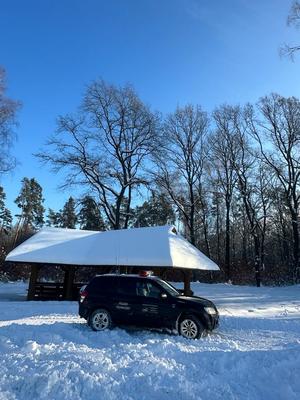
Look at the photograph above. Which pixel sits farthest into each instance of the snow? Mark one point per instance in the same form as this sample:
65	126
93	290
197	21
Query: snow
47	352
148	247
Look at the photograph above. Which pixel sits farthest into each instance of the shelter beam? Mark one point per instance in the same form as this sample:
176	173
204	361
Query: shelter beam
187	283
68	282
33	280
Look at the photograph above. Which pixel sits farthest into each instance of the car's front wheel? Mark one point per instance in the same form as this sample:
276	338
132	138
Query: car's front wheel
191	328
100	320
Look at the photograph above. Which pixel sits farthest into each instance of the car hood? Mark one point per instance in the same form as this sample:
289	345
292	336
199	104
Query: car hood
197	300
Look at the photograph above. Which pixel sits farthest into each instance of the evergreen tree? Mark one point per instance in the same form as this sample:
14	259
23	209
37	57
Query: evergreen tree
68	214
155	212
2	198
5	214
30	201
53	218
89	216
5	220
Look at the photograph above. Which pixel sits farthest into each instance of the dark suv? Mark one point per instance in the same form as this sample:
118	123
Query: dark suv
145	301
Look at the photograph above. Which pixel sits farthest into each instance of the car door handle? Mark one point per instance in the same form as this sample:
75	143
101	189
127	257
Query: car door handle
122	306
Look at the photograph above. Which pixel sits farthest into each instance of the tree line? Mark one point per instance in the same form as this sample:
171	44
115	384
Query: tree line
229	179
231	176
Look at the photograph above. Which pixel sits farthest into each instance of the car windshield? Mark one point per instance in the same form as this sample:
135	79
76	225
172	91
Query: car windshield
169	288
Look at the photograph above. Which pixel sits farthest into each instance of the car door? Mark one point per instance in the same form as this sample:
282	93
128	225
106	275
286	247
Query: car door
125	301
102	292
155	307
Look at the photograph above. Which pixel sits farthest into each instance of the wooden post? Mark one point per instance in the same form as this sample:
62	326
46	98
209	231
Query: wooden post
32	282
187	283
68	282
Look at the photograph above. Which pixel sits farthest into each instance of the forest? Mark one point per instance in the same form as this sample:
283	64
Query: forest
228	179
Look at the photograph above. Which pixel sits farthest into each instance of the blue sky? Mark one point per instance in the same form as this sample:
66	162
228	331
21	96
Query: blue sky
173	51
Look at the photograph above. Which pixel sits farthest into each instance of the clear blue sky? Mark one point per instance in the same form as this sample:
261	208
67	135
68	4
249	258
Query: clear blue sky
173	51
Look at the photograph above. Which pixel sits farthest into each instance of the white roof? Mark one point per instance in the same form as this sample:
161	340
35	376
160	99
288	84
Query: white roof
146	247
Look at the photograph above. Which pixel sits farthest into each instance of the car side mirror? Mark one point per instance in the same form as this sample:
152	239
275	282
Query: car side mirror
164	296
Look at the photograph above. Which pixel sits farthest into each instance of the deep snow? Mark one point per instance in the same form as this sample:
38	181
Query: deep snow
47	352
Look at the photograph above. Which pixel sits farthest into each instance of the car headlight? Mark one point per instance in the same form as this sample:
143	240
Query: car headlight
210	310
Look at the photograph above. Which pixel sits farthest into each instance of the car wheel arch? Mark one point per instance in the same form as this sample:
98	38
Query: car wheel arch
100	319
184	314
99	306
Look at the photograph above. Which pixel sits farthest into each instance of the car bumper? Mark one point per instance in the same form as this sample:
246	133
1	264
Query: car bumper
83	311
212	321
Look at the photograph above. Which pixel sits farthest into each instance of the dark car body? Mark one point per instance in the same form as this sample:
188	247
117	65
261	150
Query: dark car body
144	301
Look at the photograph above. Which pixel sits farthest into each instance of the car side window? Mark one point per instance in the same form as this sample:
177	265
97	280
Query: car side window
147	289
102	285
127	287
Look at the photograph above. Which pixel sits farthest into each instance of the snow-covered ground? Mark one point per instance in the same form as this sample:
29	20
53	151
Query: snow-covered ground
47	352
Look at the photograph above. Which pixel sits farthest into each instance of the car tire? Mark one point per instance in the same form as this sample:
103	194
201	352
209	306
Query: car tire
100	320
190	327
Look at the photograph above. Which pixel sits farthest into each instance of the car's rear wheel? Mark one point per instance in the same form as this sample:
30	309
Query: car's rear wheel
100	320
190	327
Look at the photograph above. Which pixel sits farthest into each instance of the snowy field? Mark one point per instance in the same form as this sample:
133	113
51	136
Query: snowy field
47	352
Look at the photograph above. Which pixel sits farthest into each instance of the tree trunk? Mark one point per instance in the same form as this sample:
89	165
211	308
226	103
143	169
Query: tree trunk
218	233
244	244
118	210
205	230
295	244
192	218
257	260
128	208
17	233
227	243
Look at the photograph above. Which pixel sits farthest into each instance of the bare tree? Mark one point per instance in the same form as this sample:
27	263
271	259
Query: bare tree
293	19
180	163
253	181
180	166
203	212
277	132
8	110
105	147
280	226
222	146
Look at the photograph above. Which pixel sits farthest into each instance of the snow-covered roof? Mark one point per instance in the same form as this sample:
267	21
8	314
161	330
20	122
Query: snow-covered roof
145	247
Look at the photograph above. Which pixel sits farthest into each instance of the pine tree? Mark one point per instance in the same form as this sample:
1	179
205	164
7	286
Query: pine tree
53	218
5	221
30	201
156	211
5	214
2	198
68	214
89	216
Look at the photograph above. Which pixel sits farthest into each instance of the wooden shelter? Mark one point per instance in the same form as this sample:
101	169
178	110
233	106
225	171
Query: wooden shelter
138	248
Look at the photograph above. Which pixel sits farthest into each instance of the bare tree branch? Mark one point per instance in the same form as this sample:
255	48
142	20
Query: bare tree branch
105	146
